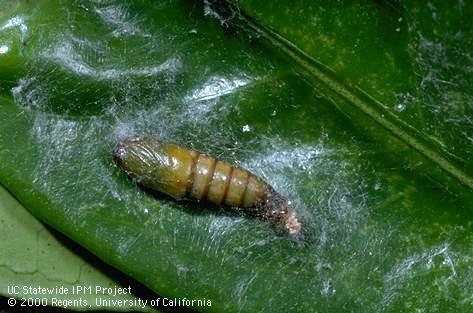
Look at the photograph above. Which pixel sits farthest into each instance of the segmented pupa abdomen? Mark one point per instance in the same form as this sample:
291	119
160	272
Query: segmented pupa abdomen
182	173
186	174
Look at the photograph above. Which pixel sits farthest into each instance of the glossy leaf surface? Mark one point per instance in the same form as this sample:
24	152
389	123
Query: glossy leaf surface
411	61
381	232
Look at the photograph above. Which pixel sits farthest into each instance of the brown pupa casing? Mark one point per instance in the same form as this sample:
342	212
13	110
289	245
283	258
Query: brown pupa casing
187	174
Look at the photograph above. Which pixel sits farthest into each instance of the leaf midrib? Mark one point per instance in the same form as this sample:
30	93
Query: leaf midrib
354	95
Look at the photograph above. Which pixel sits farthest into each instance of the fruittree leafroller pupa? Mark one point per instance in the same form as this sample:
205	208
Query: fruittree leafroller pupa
187	174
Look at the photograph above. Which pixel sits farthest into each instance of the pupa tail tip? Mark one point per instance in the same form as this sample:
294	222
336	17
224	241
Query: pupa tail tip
292	224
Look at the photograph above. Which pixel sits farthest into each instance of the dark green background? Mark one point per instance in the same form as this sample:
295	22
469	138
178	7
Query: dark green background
385	230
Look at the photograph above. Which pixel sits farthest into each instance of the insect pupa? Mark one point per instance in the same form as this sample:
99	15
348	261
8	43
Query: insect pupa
187	174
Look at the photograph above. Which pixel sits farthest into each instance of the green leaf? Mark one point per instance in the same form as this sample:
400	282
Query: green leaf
33	257
385	228
405	64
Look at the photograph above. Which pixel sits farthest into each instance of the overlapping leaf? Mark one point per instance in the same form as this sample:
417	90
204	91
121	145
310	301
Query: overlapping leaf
379	233
33	258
